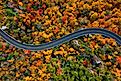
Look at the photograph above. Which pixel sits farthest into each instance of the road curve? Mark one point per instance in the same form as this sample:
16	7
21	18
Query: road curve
64	39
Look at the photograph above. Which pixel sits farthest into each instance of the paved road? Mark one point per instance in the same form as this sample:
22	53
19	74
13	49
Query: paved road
64	39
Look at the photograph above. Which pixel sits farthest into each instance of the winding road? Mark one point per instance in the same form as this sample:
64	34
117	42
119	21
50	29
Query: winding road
64	39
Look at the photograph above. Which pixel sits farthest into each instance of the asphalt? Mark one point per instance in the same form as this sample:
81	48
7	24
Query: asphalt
64	39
